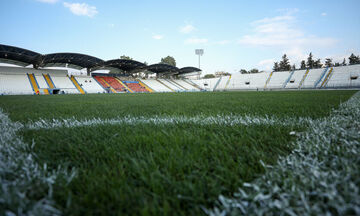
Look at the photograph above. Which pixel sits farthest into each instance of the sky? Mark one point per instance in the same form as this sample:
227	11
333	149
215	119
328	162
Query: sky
234	34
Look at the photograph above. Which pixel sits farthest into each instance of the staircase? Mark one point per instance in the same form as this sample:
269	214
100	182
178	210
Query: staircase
192	83
217	83
145	86
124	85
34	84
268	79
165	85
174	81
321	77
77	85
49	81
327	78
227	83
288	79
303	79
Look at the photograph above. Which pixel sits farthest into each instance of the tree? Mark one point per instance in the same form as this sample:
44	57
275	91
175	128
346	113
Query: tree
125	57
243	71
168	60
208	76
276	66
343	63
310	62
354	59
303	65
284	64
317	64
293	67
328	62
254	70
337	64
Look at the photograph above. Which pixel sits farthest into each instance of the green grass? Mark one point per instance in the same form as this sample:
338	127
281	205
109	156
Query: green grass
159	169
287	103
165	169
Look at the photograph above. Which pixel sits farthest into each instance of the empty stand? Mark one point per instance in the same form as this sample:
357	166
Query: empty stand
34	84
295	79
49	81
155	85
145	86
278	79
77	85
90	85
15	84
135	86
166	84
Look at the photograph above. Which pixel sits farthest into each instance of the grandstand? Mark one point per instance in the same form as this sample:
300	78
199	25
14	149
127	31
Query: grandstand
40	79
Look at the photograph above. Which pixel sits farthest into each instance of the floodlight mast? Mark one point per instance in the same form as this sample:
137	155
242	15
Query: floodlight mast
199	52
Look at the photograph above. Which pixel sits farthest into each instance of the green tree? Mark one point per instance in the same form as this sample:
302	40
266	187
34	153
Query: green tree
328	62
284	63
317	64
303	65
208	76
293	67
125	57
243	71
276	66
254	70
343	63
168	60
310	62
353	59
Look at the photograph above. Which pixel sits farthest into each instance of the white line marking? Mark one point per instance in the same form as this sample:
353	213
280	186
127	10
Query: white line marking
21	176
226	120
320	177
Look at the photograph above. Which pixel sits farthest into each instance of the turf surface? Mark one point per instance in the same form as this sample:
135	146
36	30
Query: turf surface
286	103
168	169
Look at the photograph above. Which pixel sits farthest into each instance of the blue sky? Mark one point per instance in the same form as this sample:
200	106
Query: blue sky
234	34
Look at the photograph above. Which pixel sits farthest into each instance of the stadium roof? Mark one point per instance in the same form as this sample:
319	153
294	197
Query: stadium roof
72	60
188	70
127	65
18	56
162	68
24	57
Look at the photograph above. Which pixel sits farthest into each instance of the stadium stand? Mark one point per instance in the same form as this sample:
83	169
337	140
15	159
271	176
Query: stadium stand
295	79
104	84
155	85
64	84
14	84
89	85
135	86
207	84
114	83
145	86
77	85
187	86
278	79
166	84
312	77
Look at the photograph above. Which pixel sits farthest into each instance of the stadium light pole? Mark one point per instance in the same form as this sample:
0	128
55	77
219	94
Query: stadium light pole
199	52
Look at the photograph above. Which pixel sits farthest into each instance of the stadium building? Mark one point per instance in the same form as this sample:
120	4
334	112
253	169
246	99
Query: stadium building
37	76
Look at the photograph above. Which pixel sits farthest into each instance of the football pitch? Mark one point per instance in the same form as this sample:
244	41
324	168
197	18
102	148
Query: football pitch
160	153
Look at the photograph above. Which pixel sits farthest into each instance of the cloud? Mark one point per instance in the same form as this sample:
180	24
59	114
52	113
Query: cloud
323	14
282	31
187	29
196	41
157	37
223	42
48	1
81	9
266	64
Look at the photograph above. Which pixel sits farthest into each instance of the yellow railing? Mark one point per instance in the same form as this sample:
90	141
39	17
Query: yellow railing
77	85
49	81
34	83
165	85
323	84
304	77
145	86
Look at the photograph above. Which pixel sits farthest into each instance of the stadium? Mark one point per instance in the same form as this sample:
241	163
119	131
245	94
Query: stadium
89	134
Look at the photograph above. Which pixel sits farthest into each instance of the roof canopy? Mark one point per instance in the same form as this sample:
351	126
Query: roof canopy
72	60
23	57
122	64
162	68
189	70
18	56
